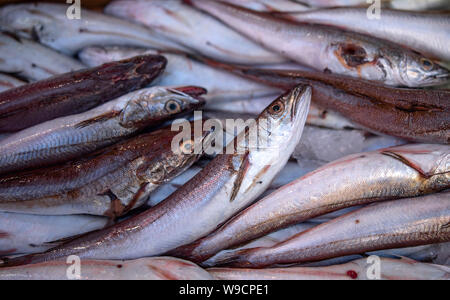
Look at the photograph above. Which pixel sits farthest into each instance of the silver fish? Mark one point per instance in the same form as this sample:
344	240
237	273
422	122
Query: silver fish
49	24
156	268
390	269
70	137
396	4
331	49
194	30
182	70
393	224
24	234
427	33
226	185
270	5
391	173
31	60
7	82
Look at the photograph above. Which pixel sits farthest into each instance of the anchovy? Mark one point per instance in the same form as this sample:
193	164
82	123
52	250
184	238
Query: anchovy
182	70
331	49
412	114
75	92
156	268
109	182
24	234
193	30
393	224
31	60
73	136
270	5
361	269
391	173
226	185
49	24
8	82
427	33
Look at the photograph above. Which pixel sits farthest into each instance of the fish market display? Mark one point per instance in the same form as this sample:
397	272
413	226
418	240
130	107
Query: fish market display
182	70
411	170
381	226
49	24
31	60
155	268
225	186
24	234
331	49
194	30
412	114
69	137
427	33
109	182
75	92
390	269
8	82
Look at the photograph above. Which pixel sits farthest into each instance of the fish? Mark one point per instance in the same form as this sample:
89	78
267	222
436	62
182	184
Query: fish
194	30
25	234
30	60
75	92
392	224
362	178
418	115
231	181
69	137
49	24
361	269
270	5
183	70
330	49
152	268
396	4
109	182
425	32
8	82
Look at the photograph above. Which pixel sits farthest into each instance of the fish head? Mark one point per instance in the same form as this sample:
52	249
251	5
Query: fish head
160	103
418	70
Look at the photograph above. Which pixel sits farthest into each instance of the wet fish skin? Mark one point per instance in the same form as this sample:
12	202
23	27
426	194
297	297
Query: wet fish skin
108	182
25	234
49	24
155	268
67	138
330	49
8	82
193	30
226	185
392	173
391	269
75	92
427	33
31	60
270	6
393	224
183	70
412	114
396	4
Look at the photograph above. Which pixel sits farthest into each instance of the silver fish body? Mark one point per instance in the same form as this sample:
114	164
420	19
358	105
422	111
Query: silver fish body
8	82
194	30
49	24
427	33
396	4
31	60
182	70
393	224
73	136
330	49
156	268
270	5
403	171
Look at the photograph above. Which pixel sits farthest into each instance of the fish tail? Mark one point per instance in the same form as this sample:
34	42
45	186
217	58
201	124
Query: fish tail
191	252
238	259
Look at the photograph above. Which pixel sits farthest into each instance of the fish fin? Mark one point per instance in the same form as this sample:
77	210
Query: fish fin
98	119
61	241
116	208
231	259
136	198
189	252
244	164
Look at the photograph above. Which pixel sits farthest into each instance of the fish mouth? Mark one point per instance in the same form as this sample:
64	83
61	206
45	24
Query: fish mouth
299	99
194	91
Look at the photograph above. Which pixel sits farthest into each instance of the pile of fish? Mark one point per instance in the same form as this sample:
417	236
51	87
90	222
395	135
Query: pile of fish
354	114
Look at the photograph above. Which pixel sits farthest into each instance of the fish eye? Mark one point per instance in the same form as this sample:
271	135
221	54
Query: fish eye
187	146
427	64
173	107
276	108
